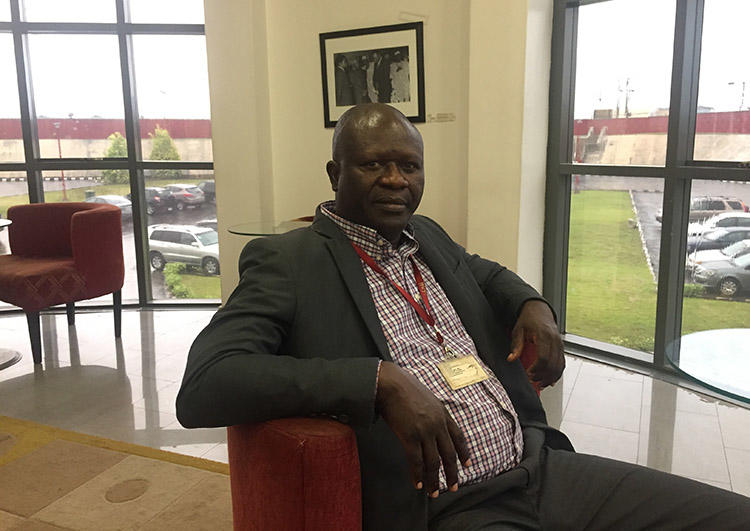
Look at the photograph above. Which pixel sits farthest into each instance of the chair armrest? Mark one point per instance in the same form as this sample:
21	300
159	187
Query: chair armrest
297	473
96	239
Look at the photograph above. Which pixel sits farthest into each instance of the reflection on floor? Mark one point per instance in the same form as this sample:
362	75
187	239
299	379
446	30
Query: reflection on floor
125	390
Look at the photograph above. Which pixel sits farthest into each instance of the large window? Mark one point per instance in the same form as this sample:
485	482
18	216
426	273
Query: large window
106	101
647	243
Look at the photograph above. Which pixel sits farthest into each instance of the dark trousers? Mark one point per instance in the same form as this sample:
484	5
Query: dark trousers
559	490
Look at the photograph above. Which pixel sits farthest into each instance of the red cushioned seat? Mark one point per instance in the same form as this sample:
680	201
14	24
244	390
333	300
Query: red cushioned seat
61	253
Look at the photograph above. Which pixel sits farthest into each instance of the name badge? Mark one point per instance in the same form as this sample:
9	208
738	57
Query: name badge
462	371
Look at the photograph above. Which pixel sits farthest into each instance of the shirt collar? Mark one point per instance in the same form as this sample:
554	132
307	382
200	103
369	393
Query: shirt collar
368	238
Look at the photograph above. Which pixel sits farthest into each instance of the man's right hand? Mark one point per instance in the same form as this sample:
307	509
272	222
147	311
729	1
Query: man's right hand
423	425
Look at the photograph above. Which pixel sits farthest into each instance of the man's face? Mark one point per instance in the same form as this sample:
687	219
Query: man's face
379	177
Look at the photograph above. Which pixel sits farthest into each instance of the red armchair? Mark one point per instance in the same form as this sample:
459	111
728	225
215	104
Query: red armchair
62	253
300	473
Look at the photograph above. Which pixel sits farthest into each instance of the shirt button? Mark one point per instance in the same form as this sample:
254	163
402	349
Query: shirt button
381	242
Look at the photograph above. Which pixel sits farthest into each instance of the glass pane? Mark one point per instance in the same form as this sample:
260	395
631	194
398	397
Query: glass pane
5	10
183	238
723	121
166	11
69	11
13	191
78	94
715	345
614	259
95	186
173	97
623	82
11	138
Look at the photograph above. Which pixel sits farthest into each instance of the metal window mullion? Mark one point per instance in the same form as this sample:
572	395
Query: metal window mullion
557	193
28	112
676	206
133	140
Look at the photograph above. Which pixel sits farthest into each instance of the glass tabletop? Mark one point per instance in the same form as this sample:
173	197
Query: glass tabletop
267	228
718	358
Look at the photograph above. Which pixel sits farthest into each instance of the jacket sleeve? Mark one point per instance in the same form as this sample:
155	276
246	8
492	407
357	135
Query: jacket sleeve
504	290
237	371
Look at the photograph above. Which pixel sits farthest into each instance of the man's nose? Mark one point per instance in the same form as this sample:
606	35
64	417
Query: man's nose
392	176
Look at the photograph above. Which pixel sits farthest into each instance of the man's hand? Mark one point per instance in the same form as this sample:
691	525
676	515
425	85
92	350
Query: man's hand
423	425
536	324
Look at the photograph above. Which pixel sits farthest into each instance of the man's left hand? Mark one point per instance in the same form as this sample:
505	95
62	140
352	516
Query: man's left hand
536	325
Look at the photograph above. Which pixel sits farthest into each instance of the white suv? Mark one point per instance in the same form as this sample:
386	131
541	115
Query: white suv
198	246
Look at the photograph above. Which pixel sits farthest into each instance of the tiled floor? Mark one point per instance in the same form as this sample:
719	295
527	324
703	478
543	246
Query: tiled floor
125	390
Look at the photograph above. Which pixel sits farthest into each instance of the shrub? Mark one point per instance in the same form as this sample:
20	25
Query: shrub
693	290
163	148
173	278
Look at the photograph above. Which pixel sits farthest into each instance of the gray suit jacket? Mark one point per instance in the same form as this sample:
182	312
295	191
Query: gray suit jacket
300	336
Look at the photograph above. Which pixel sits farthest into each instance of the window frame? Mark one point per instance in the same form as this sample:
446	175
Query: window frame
133	162
678	172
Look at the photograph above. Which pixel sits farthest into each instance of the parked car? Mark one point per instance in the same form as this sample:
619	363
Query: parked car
187	244
727	219
209	190
210	223
735	250
186	195
705	207
158	200
729	277
116	200
717	238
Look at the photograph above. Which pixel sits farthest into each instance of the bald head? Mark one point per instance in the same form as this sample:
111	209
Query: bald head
377	168
368	116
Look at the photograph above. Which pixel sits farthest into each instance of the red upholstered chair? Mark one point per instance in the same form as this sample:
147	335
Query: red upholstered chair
299	473
62	253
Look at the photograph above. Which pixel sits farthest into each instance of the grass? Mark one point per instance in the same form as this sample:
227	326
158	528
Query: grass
187	282
611	293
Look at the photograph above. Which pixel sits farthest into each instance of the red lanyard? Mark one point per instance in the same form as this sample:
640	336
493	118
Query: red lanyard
424	313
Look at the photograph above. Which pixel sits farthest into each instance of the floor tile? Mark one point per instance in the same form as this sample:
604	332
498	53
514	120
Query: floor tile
739	470
92	506
592	368
605	442
698	450
218	453
606	402
735	426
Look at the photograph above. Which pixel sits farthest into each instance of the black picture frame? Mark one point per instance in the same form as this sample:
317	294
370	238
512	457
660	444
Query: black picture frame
385	63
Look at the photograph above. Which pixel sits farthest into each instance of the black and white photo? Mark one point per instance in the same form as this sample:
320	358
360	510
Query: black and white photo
380	65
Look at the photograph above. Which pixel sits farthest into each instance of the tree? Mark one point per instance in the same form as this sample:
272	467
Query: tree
163	148
117	148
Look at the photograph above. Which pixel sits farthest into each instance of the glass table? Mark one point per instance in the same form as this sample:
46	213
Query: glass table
267	228
719	359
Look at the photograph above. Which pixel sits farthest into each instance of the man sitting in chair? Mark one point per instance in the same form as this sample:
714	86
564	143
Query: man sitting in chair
375	317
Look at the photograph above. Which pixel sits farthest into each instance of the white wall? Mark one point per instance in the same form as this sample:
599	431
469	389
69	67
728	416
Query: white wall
484	169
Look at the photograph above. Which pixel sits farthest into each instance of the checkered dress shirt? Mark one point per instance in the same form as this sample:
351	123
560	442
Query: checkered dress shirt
483	411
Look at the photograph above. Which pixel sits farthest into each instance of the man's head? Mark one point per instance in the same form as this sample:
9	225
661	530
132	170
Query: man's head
377	168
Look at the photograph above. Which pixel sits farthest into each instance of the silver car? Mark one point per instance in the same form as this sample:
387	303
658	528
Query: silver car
728	277
186	195
187	244
117	200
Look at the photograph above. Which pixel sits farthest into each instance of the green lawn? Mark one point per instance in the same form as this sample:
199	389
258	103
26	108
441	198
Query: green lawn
611	294
202	286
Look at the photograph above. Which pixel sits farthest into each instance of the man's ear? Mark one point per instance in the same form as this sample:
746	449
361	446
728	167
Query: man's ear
332	168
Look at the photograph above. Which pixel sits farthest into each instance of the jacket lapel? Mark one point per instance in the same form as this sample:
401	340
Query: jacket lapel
350	268
444	268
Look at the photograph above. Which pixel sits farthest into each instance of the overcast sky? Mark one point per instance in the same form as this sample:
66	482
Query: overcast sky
617	41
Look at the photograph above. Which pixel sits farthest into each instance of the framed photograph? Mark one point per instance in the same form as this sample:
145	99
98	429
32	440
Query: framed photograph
381	64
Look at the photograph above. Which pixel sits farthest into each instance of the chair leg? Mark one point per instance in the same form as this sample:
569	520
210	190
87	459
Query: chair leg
117	297
35	335
70	309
